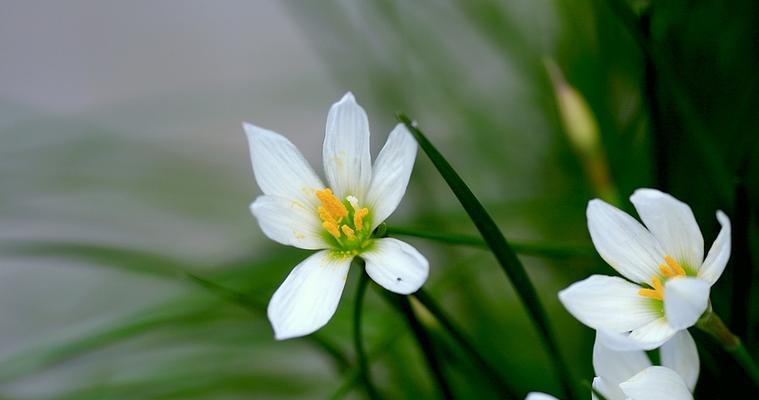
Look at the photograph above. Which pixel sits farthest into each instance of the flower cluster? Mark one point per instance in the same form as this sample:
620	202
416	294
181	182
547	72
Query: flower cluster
666	291
664	288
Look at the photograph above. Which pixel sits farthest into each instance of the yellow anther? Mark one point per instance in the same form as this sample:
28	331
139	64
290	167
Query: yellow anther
331	227
358	218
348	232
326	216
331	204
657	293
674	266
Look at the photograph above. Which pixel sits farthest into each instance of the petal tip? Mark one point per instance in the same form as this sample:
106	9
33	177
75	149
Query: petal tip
348	97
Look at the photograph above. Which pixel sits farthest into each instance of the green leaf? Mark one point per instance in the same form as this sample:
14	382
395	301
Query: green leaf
501	250
559	251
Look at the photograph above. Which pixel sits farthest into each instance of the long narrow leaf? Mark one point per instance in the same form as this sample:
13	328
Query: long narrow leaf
501	250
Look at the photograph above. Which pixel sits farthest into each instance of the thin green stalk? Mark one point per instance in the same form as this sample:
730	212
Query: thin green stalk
363	366
403	304
504	391
532	249
712	324
502	251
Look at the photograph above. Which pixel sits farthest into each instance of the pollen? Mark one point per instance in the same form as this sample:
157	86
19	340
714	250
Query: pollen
331	205
657	293
358	218
344	220
349	233
675	268
331	227
669	269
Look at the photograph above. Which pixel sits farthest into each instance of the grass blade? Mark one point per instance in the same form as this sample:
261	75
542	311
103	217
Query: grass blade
501	250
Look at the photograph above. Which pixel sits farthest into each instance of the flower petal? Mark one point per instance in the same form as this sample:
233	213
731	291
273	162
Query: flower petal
391	174
672	223
623	242
308	298
347	161
608	303
623	342
653	334
397	266
718	255
656	383
608	391
539	396
289	222
615	367
680	355
279	167
685	299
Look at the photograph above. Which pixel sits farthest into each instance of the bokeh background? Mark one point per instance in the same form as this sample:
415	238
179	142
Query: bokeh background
123	167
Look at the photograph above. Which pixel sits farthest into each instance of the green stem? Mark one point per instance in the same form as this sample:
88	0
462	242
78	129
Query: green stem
712	324
403	304
501	250
363	367
504	391
533	249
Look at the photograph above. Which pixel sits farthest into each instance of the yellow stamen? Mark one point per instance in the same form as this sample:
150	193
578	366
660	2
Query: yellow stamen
326	216
331	204
672	269
358	218
331	227
656	293
674	266
348	232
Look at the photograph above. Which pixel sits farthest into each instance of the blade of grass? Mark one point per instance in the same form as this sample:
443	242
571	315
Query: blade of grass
501	250
135	261
504	391
532	249
247	303
423	339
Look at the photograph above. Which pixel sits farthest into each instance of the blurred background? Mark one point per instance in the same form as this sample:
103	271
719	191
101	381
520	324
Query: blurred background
130	267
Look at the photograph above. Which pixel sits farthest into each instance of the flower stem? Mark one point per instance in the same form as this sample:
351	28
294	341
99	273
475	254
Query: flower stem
425	342
534	249
504	391
363	367
712	324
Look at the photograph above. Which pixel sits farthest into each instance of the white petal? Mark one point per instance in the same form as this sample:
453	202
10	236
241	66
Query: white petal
615	367
608	303
289	222
609	391
308	298
718	255
655	332
397	266
539	396
672	223
623	242
656	383
680	355
391	173
347	161
685	299
624	342
280	168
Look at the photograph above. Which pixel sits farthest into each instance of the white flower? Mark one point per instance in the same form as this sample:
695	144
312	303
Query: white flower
297	209
629	375
665	261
